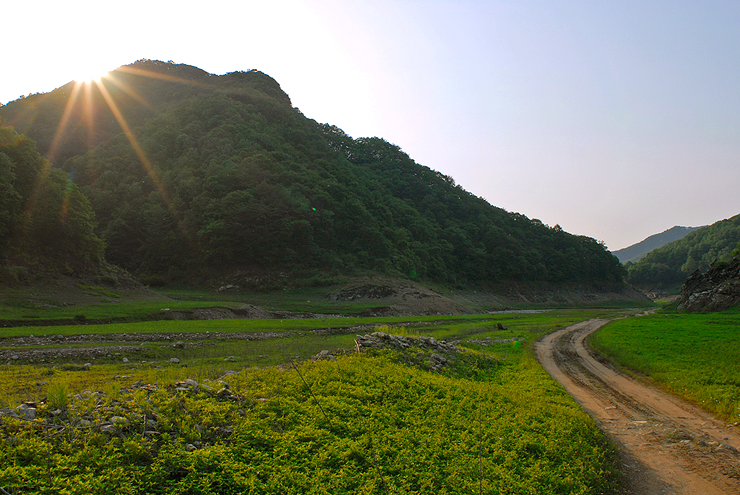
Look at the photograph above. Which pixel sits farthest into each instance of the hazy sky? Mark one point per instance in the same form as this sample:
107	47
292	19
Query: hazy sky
616	120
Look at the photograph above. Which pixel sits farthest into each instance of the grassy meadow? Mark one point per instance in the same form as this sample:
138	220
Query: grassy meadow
379	422
695	356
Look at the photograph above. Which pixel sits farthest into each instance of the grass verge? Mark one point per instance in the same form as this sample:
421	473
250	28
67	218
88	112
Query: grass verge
695	356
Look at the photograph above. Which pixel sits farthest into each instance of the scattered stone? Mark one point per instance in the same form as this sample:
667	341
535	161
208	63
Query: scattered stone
108	428
24	411
187	385
174	360
125	360
230	359
324	355
381	340
437	361
119	421
225	394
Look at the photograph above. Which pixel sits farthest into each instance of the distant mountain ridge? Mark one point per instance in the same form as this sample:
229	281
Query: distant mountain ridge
669	265
636	251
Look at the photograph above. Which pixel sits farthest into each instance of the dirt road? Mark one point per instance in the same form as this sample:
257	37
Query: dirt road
668	446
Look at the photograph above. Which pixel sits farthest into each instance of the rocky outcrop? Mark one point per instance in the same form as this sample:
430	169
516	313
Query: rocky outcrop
439	354
716	290
382	340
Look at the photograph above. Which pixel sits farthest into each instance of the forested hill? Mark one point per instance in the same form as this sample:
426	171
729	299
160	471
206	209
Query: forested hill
192	174
636	251
45	221
669	265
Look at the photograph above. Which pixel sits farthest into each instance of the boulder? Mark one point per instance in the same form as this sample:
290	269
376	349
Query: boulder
716	290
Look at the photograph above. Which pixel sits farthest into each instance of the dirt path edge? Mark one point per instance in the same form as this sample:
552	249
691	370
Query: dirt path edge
668	446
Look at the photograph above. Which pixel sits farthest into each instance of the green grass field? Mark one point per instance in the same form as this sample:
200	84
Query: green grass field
695	356
492	422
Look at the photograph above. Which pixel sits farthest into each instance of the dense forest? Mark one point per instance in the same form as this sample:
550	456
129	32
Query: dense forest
45	220
191	174
669	265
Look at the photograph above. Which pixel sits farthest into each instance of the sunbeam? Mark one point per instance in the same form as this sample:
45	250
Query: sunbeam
44	173
88	108
140	153
130	92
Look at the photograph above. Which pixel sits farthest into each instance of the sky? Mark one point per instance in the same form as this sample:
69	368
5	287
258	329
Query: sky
615	120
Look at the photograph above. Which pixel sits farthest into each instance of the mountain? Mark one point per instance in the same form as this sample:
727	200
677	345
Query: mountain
194	177
636	251
669	265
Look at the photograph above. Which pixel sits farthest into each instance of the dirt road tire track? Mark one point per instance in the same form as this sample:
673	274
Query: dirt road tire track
668	446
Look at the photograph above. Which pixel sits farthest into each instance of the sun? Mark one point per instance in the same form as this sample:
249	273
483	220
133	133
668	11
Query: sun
91	75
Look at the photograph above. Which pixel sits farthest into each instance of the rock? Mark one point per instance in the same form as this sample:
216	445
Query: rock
24	411
125	360
191	383
87	366
108	428
437	361
119	421
224	394
174	360
716	290
230	359
324	355
179	344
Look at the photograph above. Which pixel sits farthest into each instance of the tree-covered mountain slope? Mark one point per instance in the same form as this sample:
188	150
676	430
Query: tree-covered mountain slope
669	265
634	252
193	175
46	223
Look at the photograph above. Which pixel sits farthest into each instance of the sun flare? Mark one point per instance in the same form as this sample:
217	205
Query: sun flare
91	75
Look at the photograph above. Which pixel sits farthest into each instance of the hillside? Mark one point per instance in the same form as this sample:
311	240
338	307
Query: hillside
195	178
637	251
46	223
668	266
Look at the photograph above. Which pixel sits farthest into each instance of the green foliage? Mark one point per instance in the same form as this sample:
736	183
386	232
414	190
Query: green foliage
736	252
387	427
43	215
696	356
668	266
235	177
